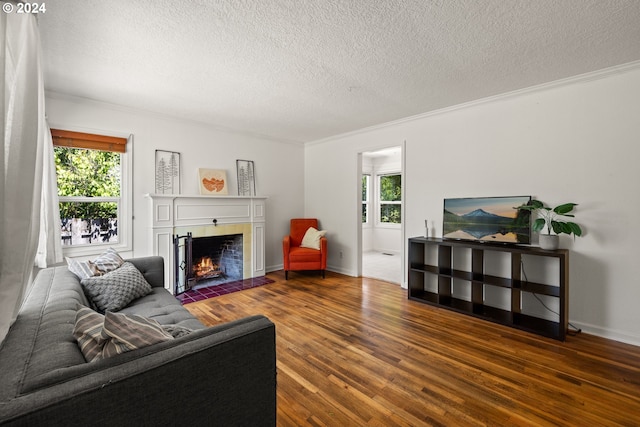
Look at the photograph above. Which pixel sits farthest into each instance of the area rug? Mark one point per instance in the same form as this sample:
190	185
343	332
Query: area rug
193	295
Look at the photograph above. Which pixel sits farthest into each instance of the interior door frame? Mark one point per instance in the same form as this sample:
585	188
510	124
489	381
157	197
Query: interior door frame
358	216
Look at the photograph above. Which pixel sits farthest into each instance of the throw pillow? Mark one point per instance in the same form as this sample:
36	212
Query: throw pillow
108	261
88	332
129	332
114	290
311	238
101	336
82	269
176	331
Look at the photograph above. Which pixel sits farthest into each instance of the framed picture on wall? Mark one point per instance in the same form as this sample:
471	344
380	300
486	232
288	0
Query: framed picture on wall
213	182
167	172
246	178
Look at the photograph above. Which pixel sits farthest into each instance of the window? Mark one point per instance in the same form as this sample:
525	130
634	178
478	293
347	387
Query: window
94	191
390	190
365	198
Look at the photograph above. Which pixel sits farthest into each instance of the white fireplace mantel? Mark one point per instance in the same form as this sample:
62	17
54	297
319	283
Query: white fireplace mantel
174	214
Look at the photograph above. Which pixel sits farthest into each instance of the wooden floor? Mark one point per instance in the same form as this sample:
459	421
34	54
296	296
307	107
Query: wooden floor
356	352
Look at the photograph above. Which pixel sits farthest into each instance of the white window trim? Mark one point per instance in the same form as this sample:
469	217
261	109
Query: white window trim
125	210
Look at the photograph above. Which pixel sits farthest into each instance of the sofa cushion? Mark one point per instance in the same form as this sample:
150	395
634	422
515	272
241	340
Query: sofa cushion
300	254
163	307
177	331
41	339
116	289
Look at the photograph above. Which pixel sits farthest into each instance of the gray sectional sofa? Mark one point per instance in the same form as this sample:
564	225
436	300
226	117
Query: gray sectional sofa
221	375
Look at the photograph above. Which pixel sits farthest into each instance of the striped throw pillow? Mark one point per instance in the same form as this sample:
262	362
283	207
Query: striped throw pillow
105	336
82	269
88	332
129	332
108	261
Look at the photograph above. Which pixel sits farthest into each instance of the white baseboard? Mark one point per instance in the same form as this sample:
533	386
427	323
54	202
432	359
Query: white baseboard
341	270
276	267
615	335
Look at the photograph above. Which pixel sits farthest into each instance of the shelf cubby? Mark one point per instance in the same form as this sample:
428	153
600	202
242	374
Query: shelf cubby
513	285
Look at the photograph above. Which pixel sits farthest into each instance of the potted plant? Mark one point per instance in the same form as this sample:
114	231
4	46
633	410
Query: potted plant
551	219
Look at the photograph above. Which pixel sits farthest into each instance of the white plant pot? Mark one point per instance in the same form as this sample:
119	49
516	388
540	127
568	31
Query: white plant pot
549	241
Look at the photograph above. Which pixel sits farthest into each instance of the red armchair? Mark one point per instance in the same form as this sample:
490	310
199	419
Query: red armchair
296	257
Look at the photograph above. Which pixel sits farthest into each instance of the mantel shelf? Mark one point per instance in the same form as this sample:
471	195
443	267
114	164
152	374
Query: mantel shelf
200	196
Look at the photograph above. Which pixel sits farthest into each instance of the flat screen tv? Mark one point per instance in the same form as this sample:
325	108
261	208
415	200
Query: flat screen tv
487	219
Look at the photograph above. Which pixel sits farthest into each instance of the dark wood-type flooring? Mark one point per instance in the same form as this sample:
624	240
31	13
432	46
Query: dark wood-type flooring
356	352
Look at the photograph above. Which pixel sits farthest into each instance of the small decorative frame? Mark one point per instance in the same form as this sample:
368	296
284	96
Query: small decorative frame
167	172
213	182
246	178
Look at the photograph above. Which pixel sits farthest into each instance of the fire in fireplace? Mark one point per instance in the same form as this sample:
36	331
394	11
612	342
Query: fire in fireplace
205	268
207	261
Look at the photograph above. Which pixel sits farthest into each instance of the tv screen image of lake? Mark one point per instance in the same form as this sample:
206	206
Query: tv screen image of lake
493	219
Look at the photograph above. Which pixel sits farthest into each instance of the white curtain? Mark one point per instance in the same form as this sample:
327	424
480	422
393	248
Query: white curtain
50	241
21	159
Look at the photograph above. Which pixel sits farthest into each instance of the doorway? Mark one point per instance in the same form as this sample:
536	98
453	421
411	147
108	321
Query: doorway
382	231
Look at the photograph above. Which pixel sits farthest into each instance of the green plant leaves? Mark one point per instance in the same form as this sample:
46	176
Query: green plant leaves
536	204
575	229
566	227
549	217
564	209
87	173
538	224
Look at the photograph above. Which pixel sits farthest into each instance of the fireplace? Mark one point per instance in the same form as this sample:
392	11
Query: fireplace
207	260
223	217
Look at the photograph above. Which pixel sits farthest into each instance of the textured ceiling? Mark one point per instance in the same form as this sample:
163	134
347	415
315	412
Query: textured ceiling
306	70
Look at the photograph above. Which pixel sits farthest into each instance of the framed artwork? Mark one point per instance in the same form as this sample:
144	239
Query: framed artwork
167	172
246	178
213	182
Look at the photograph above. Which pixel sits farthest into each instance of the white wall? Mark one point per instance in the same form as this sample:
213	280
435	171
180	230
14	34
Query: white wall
573	141
278	165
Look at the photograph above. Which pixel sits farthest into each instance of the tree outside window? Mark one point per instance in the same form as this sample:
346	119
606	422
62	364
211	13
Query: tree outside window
365	198
89	189
390	198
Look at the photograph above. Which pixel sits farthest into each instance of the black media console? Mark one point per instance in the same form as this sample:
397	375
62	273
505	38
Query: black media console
438	268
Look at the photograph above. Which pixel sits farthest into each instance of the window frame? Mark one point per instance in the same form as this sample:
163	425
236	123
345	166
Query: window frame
381	203
124	202
367	200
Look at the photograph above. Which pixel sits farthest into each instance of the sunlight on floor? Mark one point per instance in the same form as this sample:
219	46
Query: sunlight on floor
382	266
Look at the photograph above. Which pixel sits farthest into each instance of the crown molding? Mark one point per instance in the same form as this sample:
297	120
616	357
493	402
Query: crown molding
580	78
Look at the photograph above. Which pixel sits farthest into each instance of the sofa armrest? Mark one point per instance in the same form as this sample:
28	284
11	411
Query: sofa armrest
152	268
222	375
323	251
286	247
